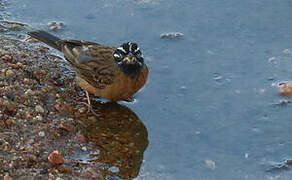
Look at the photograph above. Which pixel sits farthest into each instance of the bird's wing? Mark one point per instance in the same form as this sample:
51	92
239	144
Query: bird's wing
93	62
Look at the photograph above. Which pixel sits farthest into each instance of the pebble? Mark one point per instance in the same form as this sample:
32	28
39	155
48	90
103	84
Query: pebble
7	177
29	92
82	110
3	52
210	164
6	147
114	169
183	87
37	119
42	134
55	26
171	35
285	89
6	58
24	55
55	158
9	73
39	109
25	80
287	51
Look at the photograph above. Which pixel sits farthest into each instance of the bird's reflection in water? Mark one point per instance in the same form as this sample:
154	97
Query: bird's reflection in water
120	136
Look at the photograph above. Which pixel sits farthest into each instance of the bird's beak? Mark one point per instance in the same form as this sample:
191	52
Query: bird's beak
130	60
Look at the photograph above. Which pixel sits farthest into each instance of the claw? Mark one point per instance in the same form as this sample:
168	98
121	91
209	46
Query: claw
88	104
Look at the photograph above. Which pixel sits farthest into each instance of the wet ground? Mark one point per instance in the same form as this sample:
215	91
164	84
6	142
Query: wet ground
210	107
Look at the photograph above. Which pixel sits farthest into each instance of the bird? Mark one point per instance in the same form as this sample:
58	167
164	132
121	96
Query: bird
112	73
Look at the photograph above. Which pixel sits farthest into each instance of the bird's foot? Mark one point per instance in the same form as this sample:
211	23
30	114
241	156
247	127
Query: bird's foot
89	108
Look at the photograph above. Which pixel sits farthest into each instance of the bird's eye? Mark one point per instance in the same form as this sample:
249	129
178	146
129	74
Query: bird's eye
134	47
126	47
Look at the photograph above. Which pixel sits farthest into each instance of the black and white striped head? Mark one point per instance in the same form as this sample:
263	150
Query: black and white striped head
129	58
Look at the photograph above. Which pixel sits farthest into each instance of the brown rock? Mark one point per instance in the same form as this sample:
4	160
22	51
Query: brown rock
7	177
24	55
285	89
64	170
7	58
58	106
16	66
55	158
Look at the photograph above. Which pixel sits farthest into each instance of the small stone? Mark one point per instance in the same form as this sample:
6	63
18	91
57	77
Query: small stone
285	89
52	23
54	28
82	110
42	134
58	106
19	64
171	35
5	147
84	148
273	60
61	24
183	87
287	51
9	73
55	158
15	66
25	80
210	164
24	55
37	119
64	170
7	177
39	109
10	109
7	58
114	169
29	92
10	96
237	91
3	52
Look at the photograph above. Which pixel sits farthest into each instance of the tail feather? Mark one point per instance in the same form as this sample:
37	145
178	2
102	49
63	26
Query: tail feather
46	38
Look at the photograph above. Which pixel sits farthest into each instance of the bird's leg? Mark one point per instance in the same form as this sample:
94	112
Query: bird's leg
88	104
88	98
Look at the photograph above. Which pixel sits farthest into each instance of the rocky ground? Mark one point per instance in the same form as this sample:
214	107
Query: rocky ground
42	110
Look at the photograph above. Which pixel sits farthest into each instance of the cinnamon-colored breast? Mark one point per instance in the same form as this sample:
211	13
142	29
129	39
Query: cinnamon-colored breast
122	88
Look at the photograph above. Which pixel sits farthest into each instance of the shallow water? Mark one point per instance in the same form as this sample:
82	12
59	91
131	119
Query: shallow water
209	94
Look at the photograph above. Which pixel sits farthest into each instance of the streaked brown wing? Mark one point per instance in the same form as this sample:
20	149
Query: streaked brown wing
93	62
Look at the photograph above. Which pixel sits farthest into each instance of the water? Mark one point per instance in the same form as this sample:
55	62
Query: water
210	94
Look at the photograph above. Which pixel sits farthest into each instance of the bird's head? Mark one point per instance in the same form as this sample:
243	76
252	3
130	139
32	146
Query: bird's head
129	58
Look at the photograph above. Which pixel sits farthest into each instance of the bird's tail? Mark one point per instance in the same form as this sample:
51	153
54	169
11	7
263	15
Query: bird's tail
47	38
